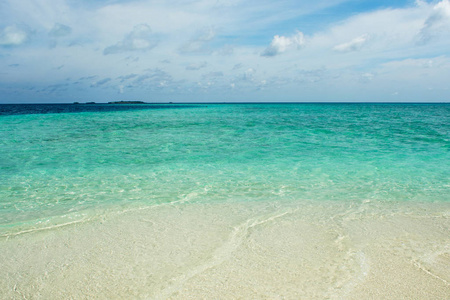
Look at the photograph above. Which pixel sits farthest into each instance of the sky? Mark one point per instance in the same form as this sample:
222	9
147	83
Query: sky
224	51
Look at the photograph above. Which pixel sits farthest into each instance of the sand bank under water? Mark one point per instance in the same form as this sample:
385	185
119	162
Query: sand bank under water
237	250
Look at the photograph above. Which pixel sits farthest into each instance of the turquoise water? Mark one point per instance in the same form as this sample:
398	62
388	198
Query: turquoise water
65	165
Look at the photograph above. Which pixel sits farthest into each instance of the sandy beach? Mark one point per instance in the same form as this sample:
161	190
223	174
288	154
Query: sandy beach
237	251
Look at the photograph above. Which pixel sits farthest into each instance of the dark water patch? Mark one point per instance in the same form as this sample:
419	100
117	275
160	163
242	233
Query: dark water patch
25	109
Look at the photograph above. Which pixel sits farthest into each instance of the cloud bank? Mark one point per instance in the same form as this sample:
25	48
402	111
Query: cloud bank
224	51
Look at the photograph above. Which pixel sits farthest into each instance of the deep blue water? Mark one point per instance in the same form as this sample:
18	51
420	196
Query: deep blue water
23	109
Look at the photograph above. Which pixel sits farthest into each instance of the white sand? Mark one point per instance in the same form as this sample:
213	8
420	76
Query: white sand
237	251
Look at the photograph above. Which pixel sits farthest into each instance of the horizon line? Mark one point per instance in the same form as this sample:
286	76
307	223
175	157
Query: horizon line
172	102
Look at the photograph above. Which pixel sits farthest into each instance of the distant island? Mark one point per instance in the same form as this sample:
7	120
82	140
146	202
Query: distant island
126	102
121	102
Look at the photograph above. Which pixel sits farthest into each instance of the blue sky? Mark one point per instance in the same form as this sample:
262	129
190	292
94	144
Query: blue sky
217	50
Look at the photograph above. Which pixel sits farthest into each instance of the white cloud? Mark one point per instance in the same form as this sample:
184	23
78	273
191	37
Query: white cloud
390	32
419	63
140	38
281	44
367	77
198	43
354	45
14	35
437	23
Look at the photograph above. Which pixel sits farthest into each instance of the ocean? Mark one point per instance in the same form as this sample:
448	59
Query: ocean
266	201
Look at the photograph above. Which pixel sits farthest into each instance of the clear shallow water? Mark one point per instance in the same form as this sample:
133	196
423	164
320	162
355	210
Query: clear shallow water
66	165
255	201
